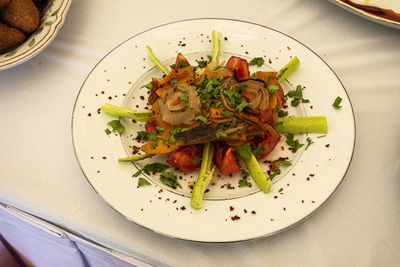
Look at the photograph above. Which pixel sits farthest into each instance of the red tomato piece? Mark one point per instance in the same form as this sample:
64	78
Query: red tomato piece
150	126
269	143
153	95
240	66
280	91
180	57
266	116
225	159
184	158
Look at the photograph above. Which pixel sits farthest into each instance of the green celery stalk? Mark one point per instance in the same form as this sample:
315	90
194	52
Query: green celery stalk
287	69
297	125
259	176
155	60
144	156
205	177
216	41
125	112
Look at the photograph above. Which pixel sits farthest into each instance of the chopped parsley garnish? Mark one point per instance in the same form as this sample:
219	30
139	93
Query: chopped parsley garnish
259	150
297	96
220	134
242	105
169	178
184	99
201	63
160	128
171	137
280	190
282	113
201	118
337	102
245	151
285	163
244	183
173	81
137	173
309	142
142	135
153	137
181	89
196	160
148	86
181	64
143	182
108	131
253	75
274	172
226	113
228	186
244	173
217	67
259	61
294	144
116	126
321	136
269	78
273	88
135	149
154	167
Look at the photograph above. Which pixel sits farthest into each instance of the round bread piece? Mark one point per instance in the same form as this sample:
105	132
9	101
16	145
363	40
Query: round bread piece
9	37
21	14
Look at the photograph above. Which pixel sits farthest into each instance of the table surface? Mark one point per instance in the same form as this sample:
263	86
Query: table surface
358	226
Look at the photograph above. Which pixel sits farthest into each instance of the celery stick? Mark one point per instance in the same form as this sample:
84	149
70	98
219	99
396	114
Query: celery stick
205	177
297	125
125	112
156	61
289	68
144	156
259	176
216	40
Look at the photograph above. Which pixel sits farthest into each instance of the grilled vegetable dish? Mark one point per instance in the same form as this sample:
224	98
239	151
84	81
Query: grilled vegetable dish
216	113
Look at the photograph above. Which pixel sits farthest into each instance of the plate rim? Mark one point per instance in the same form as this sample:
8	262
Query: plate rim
30	53
215	242
366	15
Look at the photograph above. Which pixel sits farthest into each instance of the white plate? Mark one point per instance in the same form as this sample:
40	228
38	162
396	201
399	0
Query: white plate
297	192
388	5
50	24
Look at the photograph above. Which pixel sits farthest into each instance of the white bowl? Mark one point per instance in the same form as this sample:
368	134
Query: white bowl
50	24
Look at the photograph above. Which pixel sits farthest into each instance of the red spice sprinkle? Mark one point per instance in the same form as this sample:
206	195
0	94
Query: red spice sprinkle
275	197
160	191
89	114
245	211
269	60
83	106
98	111
311	107
327	145
174	201
98	171
302	201
104	157
272	220
253	212
234	218
183	208
142	97
91	157
312	174
231	208
312	201
110	97
123	94
97	95
287	184
226	39
284	208
246	52
141	209
308	178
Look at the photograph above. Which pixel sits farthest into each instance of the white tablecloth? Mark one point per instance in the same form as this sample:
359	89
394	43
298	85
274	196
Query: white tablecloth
358	226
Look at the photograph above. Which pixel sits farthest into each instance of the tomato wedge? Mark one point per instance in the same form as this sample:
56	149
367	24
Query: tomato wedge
153	95
225	159
150	126
184	158
240	66
269	143
181	61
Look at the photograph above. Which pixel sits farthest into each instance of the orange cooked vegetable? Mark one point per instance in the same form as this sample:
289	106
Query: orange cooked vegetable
161	146
183	75
215	113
